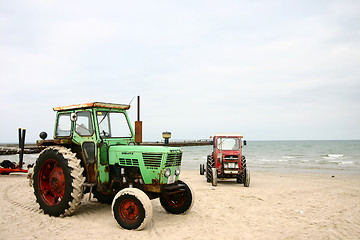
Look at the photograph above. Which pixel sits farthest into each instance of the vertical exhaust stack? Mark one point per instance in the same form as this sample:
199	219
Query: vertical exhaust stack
138	125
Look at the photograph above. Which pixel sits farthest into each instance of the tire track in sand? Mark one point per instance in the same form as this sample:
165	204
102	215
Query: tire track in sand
9	197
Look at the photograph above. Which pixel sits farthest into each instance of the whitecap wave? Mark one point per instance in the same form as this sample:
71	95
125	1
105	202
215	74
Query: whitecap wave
335	155
283	160
292	156
347	162
332	156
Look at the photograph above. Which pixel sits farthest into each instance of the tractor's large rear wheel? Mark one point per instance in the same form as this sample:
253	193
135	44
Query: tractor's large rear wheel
209	165
245	177
243	162
58	180
241	177
132	208
179	203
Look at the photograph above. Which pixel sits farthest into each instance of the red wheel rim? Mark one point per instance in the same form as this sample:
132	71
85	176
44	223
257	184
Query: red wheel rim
176	200
51	182
129	211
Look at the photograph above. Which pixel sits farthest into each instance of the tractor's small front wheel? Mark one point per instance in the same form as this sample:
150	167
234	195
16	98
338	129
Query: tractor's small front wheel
214	176
202	169
132	209
247	178
179	203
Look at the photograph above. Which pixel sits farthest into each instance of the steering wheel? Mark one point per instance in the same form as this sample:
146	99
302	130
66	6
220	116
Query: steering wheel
104	134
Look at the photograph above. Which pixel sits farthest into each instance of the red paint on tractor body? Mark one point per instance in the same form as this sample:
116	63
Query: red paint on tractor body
227	154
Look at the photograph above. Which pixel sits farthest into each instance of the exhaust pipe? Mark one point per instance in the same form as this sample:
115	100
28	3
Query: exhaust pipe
138	125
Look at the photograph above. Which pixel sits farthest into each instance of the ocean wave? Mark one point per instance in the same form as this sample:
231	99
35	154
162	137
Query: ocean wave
335	162
342	162
292	156
266	160
347	162
283	160
333	155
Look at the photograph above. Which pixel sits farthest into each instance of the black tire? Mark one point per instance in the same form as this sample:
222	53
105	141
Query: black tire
103	197
58	181
209	165
214	176
243	162
240	178
179	203
132	209
247	178
202	169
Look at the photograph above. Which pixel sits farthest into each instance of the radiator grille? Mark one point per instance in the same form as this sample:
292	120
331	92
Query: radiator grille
231	157
127	161
152	159
173	159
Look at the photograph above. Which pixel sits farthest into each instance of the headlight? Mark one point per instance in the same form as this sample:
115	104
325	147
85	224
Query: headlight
177	171
167	172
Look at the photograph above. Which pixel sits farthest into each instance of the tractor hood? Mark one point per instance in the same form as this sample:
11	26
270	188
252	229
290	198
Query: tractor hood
126	152
143	149
152	161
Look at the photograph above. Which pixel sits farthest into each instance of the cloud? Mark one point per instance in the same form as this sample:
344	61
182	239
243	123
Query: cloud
273	70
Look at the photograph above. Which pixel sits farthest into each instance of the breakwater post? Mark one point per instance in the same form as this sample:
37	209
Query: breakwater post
180	143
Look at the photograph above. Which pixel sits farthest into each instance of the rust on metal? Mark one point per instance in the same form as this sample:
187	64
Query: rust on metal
228	135
152	188
93	104
91	170
50	142
138	131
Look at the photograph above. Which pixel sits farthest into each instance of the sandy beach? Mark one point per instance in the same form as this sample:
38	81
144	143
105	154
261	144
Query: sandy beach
275	206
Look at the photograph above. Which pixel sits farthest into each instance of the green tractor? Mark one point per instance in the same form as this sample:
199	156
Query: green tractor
96	150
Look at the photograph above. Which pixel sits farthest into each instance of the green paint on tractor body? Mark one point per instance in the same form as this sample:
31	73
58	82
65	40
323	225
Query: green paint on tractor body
103	138
96	150
152	161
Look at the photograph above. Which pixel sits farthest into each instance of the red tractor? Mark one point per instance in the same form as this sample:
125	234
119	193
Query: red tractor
226	160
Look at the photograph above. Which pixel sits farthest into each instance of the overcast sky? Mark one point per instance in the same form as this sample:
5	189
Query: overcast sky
270	70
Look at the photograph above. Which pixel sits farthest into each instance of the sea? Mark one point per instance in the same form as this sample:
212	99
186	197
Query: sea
315	156
327	157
